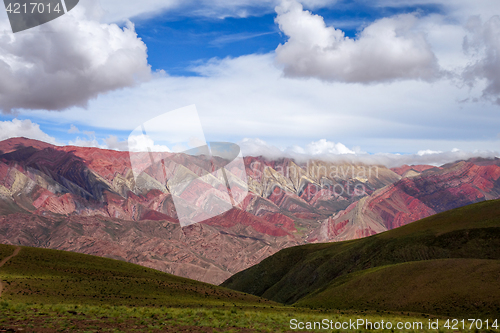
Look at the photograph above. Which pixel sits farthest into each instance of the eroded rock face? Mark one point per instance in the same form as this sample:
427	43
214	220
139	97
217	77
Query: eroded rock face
206	252
88	200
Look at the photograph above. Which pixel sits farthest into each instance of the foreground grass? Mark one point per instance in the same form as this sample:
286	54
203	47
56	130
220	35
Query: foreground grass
87	318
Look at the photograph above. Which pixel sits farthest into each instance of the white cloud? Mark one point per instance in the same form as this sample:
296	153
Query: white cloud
430	152
388	49
329	151
90	141
135	143
143	143
68	61
258	147
73	129
120	10
484	44
112	142
231	38
456	10
323	147
23	128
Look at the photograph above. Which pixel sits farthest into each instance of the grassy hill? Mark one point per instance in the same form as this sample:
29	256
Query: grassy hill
364	273
58	277
453	287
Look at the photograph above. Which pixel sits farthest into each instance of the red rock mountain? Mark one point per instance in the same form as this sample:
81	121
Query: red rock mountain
88	200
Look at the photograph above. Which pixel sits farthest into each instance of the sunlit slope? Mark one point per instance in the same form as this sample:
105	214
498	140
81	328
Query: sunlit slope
470	232
55	277
453	287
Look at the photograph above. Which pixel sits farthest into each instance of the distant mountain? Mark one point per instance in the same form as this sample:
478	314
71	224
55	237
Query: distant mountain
445	264
412	198
88	200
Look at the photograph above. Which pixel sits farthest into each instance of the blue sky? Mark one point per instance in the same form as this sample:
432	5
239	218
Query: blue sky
176	40
417	77
176	44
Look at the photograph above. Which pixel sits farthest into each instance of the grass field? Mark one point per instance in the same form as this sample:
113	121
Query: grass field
443	252
50	318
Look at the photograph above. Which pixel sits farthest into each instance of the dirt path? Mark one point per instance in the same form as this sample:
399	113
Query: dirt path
16	252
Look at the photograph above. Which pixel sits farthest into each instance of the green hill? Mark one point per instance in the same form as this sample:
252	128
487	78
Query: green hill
453	287
58	277
341	275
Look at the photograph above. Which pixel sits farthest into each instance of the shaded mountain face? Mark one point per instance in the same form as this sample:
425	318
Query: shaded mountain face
89	200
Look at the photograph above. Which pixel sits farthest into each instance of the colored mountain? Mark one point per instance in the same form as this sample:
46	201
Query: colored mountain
94	201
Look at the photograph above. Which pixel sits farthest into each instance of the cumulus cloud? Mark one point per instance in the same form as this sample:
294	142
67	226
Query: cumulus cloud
337	152
389	49
23	128
322	147
89	141
258	147
429	152
112	142
144	143
483	44
73	129
67	62
135	143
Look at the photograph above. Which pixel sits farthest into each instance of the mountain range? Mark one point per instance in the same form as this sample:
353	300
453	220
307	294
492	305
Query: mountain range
89	200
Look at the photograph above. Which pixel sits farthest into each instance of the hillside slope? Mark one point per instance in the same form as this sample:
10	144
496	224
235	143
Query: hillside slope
471	232
58	277
451	287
